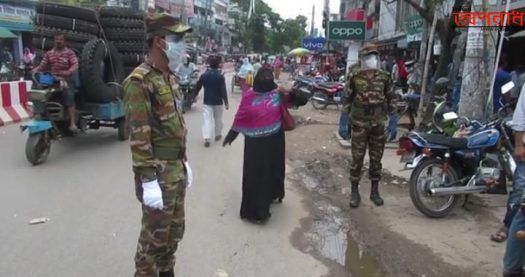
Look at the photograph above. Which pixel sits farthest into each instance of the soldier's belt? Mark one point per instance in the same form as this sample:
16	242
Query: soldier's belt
169	154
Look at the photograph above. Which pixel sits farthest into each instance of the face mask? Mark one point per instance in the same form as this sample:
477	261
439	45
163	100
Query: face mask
370	62
175	52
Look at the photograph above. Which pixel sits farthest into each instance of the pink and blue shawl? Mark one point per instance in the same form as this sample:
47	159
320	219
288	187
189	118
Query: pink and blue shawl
259	114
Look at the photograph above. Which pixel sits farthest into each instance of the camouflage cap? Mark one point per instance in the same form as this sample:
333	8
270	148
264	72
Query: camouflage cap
163	24
369	48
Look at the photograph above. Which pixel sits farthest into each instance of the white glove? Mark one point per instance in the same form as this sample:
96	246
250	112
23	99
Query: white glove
152	195
189	174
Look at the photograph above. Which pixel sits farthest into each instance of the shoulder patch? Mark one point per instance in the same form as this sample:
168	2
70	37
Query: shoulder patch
140	72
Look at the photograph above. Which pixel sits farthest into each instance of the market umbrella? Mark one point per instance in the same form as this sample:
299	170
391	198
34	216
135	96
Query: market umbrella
299	52
4	33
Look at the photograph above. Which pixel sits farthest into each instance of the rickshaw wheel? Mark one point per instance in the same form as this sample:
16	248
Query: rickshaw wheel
123	129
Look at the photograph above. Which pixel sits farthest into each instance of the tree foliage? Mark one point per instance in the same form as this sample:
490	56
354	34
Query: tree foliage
266	31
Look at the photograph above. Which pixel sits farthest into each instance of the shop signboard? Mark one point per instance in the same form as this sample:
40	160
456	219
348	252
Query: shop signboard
346	30
414	28
314	43
16	18
15	14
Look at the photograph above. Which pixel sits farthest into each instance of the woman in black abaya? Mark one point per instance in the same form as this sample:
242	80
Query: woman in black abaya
259	120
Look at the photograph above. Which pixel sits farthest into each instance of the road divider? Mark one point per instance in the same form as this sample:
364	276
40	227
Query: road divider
14	102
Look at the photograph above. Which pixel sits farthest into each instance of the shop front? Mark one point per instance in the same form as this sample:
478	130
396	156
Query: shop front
15	28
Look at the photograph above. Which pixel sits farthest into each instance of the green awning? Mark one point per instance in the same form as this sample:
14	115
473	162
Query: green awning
4	33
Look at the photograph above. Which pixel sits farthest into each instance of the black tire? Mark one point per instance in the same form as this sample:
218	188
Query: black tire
319	105
37	148
118	22
69	35
66	23
123	129
107	11
131	46
124	34
67	11
132	59
101	72
47	44
415	195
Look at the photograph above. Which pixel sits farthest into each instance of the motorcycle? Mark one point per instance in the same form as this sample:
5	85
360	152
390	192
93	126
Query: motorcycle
472	163
327	93
187	87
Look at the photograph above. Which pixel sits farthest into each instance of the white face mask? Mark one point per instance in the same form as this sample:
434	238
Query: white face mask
176	52
370	62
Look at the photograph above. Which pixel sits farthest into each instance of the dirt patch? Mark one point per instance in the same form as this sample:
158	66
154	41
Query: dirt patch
394	240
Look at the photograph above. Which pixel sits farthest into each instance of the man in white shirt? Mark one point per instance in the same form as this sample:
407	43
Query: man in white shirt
514	221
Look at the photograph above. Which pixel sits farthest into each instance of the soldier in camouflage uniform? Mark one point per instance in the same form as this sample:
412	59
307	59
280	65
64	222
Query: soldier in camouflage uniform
158	147
370	100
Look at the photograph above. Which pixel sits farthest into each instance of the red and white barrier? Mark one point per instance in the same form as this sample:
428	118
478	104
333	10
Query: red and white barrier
13	102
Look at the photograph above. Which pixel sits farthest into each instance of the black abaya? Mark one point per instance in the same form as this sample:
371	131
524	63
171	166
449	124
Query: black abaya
263	175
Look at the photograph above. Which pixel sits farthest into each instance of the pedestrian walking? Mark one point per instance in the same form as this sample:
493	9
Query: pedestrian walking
259	119
277	65
158	147
518	181
370	99
246	74
215	97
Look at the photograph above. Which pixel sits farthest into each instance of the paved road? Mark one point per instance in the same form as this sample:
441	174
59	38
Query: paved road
86	189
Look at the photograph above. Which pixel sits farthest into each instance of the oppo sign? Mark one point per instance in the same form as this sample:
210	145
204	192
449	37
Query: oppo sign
346	30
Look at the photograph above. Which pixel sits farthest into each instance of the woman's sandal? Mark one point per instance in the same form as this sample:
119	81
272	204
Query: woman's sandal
500	235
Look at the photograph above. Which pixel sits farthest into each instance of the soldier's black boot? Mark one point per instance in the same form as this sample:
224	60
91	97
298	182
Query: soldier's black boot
167	273
374	194
355	198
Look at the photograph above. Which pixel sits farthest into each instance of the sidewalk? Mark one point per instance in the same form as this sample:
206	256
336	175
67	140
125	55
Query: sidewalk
458	243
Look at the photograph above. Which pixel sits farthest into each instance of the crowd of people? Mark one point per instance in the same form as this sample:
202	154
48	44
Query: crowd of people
11	69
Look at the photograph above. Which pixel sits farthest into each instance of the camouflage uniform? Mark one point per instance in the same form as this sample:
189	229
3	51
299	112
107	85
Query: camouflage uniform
158	147
370	98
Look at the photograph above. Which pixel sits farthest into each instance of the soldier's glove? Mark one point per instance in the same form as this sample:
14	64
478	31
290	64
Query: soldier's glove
152	195
189	174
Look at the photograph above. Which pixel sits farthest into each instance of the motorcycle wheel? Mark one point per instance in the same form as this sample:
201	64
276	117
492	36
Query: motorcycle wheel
37	149
319	105
420	186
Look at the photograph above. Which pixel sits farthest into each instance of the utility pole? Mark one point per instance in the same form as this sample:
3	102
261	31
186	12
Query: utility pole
421	113
313	21
473	87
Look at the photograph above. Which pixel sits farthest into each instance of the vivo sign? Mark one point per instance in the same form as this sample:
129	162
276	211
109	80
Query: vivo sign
314	43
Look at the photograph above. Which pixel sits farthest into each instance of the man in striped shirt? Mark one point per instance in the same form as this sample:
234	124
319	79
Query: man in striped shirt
63	63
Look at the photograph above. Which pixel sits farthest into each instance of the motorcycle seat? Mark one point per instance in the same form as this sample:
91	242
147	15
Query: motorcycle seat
454	143
329	85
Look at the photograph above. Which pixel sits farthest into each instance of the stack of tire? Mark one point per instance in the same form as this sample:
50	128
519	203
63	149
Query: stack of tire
124	28
100	63
79	25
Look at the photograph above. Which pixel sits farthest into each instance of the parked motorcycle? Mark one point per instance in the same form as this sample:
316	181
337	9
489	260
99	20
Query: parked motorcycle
327	93
446	168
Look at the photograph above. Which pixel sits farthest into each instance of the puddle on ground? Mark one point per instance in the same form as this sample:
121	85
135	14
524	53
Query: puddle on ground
359	263
329	234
